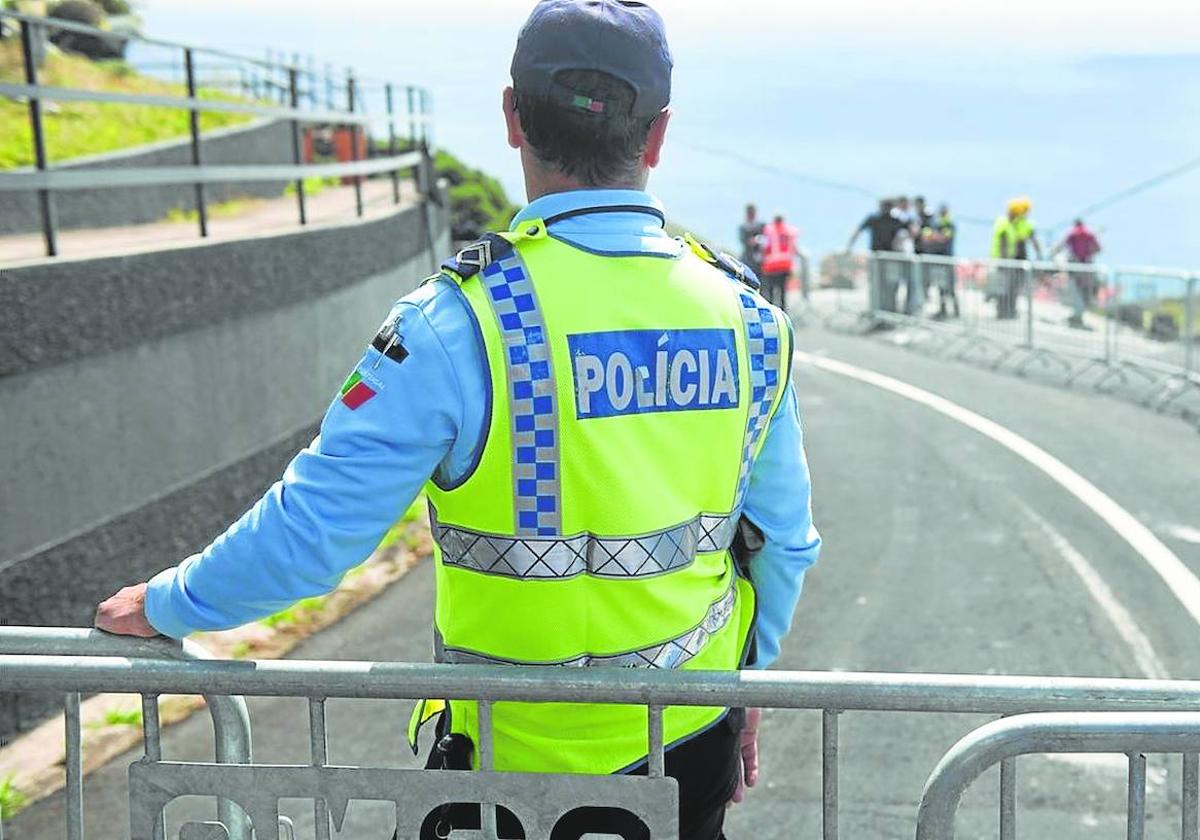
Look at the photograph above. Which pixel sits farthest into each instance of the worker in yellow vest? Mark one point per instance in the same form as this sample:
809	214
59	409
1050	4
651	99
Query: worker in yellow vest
604	420
1012	236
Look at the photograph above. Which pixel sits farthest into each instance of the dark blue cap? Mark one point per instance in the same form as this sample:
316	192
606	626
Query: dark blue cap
622	38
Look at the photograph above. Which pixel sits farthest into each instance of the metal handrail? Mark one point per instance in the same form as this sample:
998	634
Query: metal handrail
59	94
48	179
232	739
84	29
1133	734
61	180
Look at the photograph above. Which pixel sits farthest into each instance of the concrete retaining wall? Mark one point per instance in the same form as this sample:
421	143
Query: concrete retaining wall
263	141
147	400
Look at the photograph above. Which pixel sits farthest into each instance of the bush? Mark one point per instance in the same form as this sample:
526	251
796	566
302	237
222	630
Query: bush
88	13
478	203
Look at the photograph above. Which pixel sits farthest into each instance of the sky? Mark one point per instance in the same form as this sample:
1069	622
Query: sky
970	102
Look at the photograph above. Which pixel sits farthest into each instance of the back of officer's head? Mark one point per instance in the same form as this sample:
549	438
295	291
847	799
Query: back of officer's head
591	83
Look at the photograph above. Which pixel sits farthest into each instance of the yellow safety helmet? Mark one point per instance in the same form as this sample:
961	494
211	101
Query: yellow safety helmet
1020	206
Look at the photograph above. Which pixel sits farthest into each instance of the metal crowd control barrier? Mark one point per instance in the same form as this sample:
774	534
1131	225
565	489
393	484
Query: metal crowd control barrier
230	719
1133	734
1138	328
47	180
539	801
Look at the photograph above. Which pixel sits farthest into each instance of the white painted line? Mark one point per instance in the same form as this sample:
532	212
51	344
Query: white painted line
1185	533
1184	585
1138	643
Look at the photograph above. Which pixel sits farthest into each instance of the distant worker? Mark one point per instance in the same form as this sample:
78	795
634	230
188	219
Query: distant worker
937	240
780	249
604	421
1081	246
750	235
1011	236
883	227
917	282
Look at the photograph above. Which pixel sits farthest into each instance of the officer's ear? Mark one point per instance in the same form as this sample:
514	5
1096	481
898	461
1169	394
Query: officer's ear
656	138
512	120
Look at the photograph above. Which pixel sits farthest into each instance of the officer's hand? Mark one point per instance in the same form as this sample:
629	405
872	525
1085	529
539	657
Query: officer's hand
748	775
125	613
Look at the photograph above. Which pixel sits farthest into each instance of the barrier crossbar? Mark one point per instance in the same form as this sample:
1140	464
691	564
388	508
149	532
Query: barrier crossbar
34	659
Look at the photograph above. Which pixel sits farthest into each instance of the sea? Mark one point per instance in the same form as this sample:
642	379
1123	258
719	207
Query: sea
814	122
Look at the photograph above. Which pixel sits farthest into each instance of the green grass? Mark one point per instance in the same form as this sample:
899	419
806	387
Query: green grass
313	185
398	532
478	202
85	128
220	210
298	613
11	799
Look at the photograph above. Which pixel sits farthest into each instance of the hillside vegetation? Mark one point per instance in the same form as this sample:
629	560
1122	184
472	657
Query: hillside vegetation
84	128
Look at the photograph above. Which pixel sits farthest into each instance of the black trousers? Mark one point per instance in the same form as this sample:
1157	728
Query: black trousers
707	769
774	288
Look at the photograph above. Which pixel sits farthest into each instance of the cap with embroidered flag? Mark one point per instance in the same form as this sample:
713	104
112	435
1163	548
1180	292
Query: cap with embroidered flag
621	38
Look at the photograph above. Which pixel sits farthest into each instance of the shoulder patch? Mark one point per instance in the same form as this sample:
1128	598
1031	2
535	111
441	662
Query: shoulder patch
388	341
477	256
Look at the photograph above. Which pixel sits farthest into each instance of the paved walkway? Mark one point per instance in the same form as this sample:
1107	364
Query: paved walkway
332	205
937	560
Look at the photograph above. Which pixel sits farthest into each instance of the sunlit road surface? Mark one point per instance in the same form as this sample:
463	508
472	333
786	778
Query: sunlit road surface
945	552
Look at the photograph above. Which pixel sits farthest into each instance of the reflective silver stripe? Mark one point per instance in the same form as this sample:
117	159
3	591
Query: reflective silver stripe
532	397
672	653
586	554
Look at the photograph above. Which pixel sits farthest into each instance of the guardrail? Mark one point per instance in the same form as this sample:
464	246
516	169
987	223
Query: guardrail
1090	323
48	180
537	800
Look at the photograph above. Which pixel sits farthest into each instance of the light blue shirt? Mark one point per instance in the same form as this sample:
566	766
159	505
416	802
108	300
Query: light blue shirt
339	496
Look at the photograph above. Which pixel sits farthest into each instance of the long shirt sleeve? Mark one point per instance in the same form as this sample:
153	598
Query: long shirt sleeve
779	502
380	441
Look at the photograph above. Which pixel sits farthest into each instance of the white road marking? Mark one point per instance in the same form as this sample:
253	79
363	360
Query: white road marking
1184	585
1138	643
1185	532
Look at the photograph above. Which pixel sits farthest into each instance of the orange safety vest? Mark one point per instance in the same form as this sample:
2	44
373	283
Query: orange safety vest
780	248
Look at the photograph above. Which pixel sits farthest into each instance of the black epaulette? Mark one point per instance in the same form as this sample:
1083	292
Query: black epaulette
732	266
478	255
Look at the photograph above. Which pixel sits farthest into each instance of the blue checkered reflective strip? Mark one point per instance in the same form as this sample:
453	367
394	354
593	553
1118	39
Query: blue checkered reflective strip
532	400
762	344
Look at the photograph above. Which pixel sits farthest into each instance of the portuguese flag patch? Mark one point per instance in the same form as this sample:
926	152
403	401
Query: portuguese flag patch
356	392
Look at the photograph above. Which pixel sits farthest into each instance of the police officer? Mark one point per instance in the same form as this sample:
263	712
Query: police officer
602	417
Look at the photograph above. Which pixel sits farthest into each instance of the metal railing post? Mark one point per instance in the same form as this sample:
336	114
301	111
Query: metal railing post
319	755
38	130
391	118
189	66
1189	325
297	155
411	93
426	108
1027	272
1190	794
1135	816
829	774
1008	799
74	762
351	102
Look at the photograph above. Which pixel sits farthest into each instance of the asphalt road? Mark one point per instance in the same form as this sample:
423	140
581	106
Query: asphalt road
945	552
